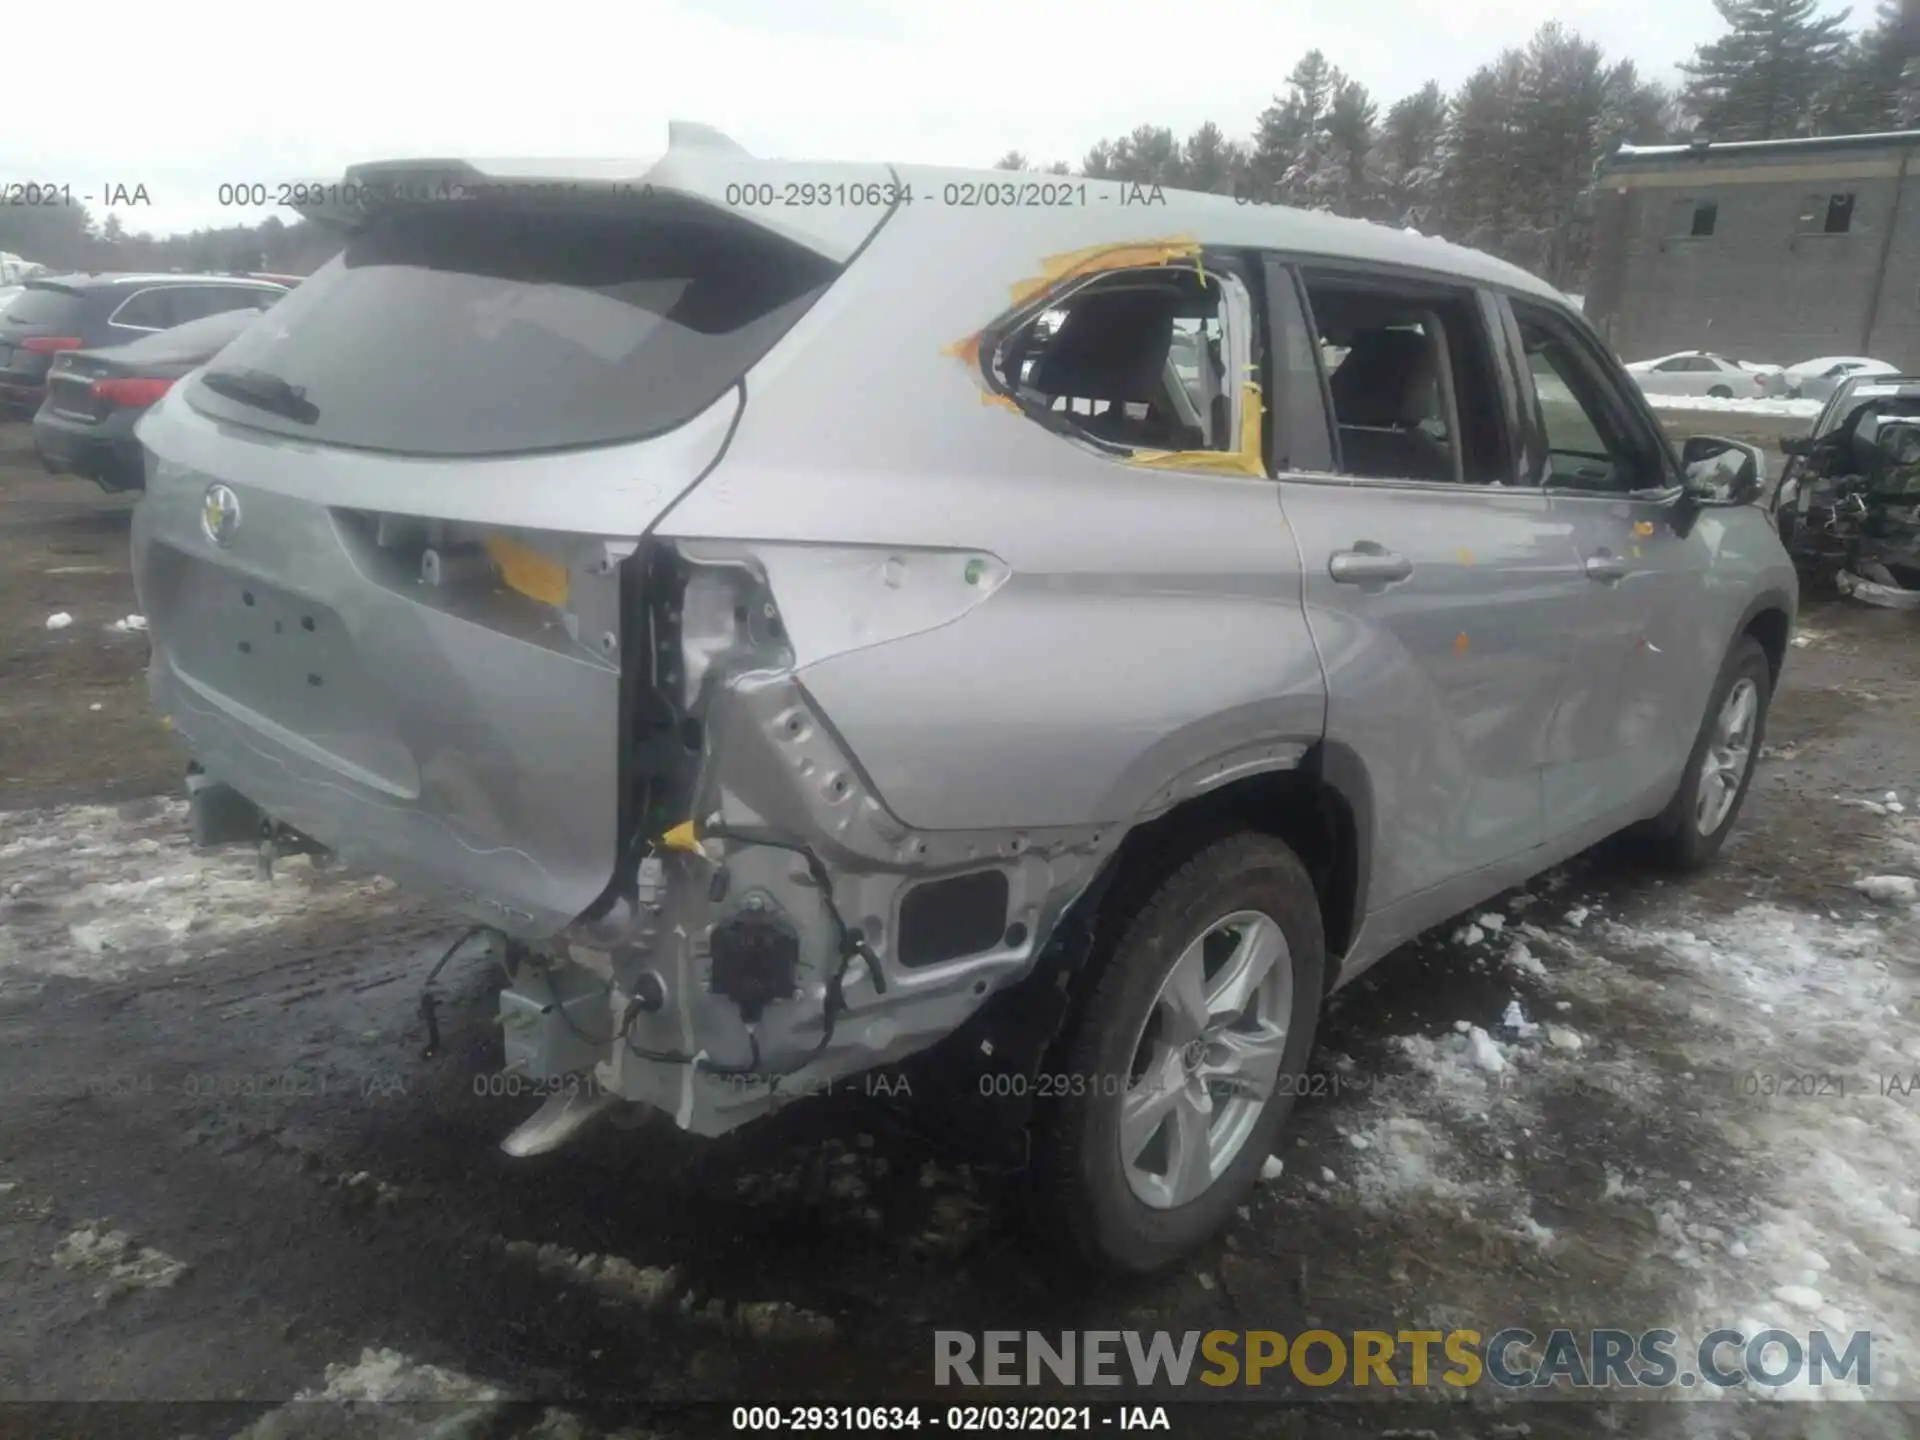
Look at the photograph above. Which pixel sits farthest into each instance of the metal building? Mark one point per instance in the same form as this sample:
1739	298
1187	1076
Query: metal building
1773	250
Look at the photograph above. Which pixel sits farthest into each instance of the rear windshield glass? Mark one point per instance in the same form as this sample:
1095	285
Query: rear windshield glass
40	305
470	330
200	339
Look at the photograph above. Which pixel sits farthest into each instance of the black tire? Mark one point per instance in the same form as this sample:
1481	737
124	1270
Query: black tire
1084	1206
1720	392
1673	840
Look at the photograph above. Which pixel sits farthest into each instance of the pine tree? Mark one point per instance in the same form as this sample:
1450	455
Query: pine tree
1289	129
1212	163
1557	120
1155	156
1636	111
1868	89
1762	79
1013	160
1479	180
1350	139
1412	153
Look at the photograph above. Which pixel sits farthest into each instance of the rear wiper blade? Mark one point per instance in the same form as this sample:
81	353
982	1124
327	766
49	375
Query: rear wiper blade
264	391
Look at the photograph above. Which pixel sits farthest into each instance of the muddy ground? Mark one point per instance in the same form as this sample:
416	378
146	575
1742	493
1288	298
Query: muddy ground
228	1177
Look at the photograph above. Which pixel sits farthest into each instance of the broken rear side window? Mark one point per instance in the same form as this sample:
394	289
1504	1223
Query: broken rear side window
1411	378
1140	359
475	330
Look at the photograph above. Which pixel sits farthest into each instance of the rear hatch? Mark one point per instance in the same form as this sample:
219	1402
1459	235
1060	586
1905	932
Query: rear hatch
380	552
43	320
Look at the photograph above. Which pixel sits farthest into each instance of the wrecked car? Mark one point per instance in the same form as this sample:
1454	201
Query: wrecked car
811	619
1848	506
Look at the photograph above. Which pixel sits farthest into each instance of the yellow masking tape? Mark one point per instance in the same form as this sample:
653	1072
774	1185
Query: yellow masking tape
537	576
1247	460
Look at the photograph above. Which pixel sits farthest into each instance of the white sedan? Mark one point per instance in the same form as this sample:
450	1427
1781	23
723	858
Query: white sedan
1817	379
1695	372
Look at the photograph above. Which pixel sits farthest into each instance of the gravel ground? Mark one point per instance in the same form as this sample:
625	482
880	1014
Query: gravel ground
228	1177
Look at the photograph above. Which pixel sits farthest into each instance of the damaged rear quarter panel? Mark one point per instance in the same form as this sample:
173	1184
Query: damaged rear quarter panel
1149	621
463	739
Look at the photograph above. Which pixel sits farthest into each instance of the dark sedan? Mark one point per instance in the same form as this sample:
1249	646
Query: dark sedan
95	397
57	313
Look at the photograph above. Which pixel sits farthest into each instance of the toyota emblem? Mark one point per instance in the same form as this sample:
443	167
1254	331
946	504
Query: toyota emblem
220	514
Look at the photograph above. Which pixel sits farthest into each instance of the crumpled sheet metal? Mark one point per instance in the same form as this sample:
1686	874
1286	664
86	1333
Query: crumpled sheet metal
1872	592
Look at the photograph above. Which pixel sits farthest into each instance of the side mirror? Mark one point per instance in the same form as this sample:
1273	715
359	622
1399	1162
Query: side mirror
1723	472
1796	444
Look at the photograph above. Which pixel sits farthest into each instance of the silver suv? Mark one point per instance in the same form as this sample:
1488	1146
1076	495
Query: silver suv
804	612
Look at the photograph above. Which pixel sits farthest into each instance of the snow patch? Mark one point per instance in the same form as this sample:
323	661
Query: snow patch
1804	1018
101	892
383	1376
1772	405
121	1264
1902	888
648	1286
59	620
1525	961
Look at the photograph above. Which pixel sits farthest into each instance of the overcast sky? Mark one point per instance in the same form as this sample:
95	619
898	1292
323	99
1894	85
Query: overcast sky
250	94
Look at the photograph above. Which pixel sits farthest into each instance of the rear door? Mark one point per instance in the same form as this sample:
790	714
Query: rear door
1440	587
1634	686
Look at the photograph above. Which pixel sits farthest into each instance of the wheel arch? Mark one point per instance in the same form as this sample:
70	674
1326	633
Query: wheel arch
1321	806
1769	619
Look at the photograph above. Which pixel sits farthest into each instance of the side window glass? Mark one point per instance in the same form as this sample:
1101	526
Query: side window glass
147	310
1141	360
1414	390
218	302
195	302
1590	443
1674	366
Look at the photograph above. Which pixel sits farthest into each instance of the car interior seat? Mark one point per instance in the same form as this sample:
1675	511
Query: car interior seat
1382	392
1113	347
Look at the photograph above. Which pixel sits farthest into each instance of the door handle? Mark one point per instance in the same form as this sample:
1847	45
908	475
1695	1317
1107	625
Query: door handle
1605	566
1368	564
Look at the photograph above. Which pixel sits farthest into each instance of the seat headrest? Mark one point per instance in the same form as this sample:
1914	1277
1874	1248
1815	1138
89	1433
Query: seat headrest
1386	379
1112	346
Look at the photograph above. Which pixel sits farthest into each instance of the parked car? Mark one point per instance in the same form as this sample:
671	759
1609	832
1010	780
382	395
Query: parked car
87	312
1848	505
1772	377
95	397
1694	372
786	688
1817	379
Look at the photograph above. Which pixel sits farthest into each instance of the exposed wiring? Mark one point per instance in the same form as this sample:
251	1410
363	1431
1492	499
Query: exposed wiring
850	944
427	998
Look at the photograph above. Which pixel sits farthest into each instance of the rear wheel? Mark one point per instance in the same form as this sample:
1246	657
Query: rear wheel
1163	1098
1690	831
1720	392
